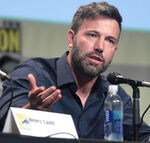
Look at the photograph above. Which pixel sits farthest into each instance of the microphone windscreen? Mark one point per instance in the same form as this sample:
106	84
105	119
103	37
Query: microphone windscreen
111	77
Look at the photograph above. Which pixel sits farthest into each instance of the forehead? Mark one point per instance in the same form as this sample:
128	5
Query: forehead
100	24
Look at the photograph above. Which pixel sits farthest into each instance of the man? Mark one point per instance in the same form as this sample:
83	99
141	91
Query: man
73	84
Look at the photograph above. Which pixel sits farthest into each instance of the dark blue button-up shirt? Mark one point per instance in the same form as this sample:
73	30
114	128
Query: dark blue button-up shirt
89	121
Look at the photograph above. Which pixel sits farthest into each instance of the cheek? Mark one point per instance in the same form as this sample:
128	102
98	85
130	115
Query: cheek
84	44
108	54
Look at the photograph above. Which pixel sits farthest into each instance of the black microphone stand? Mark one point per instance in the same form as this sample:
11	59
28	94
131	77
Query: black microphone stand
136	109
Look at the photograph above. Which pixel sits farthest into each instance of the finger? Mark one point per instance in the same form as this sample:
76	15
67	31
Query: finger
37	95
54	101
52	96
47	92
32	81
34	94
48	104
34	100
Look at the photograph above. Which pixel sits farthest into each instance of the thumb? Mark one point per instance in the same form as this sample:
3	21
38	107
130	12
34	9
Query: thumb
32	81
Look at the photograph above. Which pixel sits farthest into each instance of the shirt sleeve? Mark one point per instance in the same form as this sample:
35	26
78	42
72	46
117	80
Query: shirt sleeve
19	88
144	131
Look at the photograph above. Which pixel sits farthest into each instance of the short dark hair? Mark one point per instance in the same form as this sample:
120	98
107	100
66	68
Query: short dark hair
94	10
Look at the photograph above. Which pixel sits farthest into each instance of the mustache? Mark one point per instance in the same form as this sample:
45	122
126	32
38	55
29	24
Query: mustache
97	53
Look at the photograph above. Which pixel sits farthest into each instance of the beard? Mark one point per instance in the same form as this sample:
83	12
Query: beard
88	69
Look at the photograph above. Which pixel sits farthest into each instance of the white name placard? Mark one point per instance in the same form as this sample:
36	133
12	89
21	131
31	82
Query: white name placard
39	123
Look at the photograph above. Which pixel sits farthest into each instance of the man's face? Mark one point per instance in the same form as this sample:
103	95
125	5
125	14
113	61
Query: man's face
94	45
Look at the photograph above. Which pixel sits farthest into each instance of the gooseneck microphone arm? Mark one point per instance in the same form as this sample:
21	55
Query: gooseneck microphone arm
116	78
3	75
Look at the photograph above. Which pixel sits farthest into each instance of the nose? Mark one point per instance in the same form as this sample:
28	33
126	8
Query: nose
99	46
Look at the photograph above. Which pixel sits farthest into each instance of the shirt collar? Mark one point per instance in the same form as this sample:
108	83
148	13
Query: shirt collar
64	74
102	85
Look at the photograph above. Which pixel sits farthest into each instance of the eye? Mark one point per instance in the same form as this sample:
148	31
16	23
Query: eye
111	41
91	34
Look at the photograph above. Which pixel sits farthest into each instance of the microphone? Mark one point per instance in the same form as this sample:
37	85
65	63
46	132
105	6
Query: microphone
3	75
116	78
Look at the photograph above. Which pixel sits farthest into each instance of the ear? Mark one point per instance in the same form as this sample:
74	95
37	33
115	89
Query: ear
70	37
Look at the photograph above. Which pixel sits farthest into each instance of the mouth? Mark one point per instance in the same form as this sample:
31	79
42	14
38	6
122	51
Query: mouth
96	59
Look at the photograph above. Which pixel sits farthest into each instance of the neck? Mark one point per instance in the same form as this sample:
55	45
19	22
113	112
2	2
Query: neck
83	82
84	85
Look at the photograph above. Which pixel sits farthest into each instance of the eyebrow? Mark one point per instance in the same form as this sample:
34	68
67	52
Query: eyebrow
116	40
93	31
